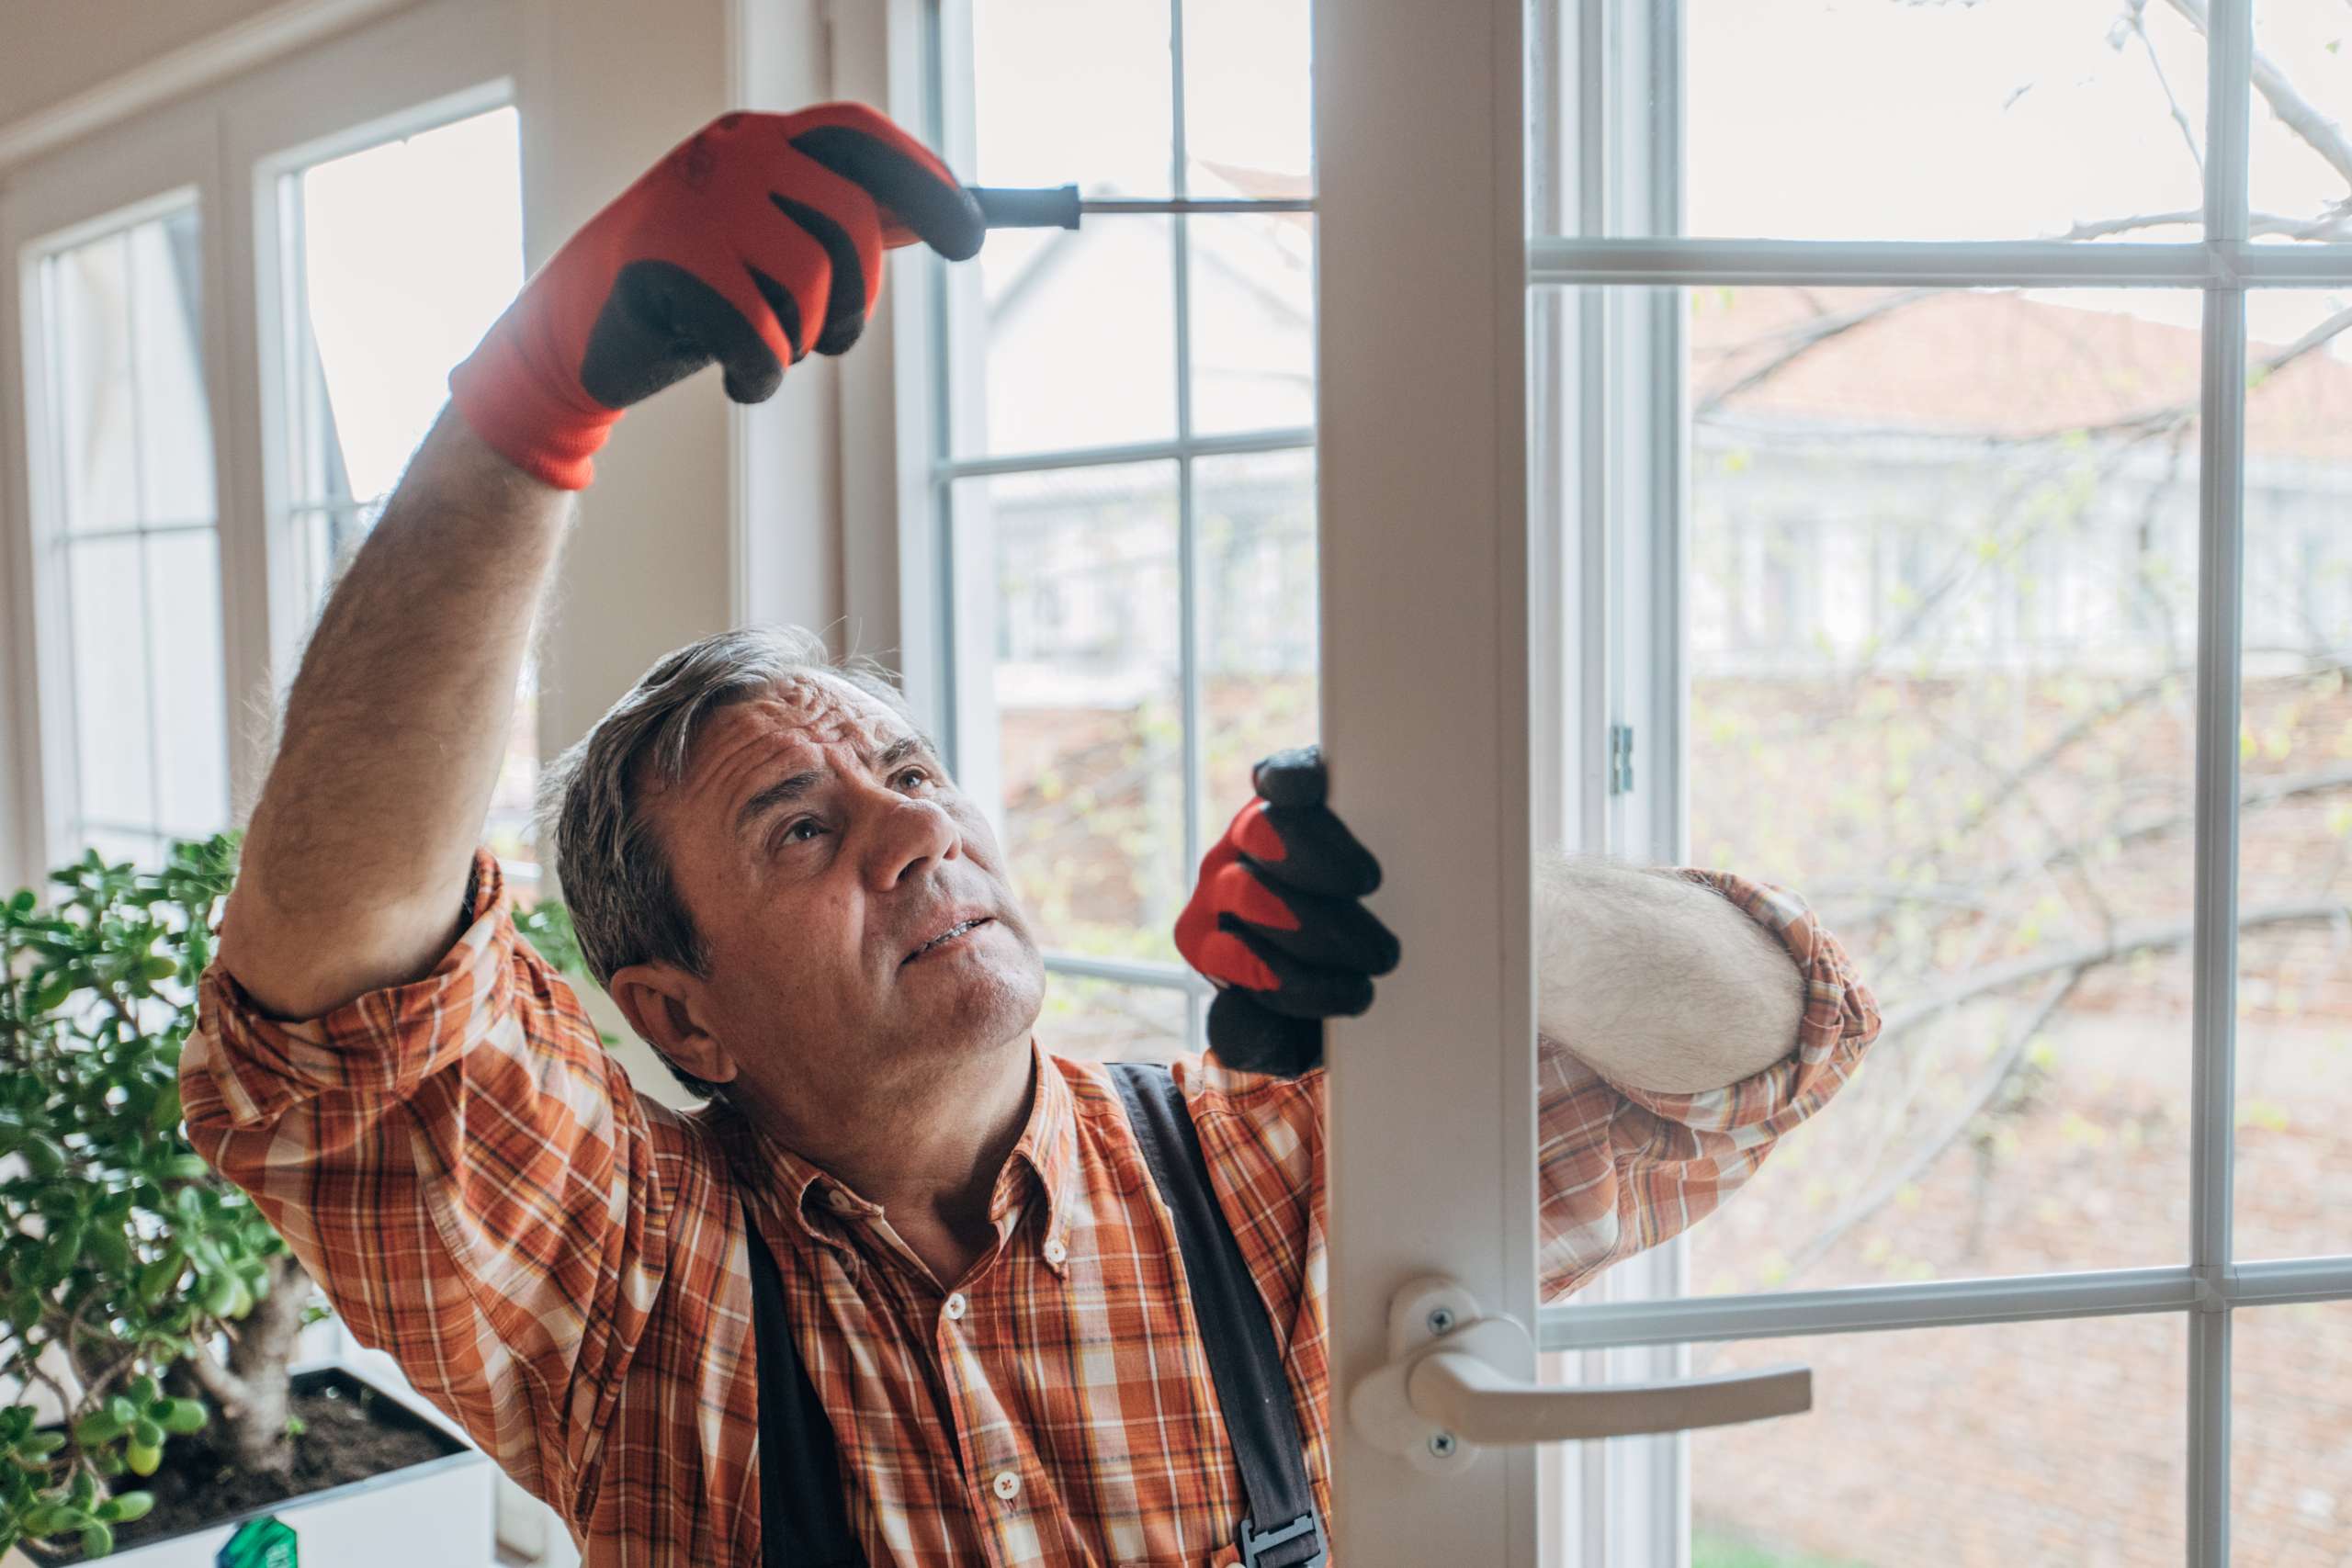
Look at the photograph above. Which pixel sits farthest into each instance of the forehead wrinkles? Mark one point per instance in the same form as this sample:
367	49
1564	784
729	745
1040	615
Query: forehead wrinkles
823	713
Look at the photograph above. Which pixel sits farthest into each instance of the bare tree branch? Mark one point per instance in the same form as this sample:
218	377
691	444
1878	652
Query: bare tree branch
2322	135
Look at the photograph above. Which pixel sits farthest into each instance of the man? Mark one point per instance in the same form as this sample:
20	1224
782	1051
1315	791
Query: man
790	898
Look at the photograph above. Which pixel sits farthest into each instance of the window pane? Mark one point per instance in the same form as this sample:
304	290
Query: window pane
1259	635
96	421
409	250
2294	1067
111	700
1065	339
2022	1442
1089	700
1246	102
1073	92
1104	1021
1942	643
1816	120
2290	1433
1253	323
167	350
2301	174
191	728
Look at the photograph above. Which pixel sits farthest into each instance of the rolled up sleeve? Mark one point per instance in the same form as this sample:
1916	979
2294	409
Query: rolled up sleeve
1622	1169
463	1169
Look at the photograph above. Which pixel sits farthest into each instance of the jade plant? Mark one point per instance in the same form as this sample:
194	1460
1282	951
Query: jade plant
142	1296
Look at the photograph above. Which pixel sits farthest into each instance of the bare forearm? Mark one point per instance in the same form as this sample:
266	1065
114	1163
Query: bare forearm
1655	982
356	855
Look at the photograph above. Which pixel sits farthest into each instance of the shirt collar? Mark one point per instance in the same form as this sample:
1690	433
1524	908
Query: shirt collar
1044	1162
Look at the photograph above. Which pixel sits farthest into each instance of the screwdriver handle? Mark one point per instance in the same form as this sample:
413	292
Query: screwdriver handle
1050	206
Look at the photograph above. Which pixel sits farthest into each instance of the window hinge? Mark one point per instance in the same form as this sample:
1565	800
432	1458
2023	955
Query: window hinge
1620	759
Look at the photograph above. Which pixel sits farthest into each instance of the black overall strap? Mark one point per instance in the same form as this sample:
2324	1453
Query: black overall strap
804	1514
1283	1529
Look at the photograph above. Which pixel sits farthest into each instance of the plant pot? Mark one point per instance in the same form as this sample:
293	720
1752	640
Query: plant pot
437	1511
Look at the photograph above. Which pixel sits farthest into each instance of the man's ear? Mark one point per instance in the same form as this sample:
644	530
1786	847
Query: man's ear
664	1004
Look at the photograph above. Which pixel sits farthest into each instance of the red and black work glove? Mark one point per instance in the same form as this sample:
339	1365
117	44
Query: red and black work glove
754	241
1278	922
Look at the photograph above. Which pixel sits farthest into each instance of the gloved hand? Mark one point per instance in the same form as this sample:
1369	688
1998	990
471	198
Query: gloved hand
755	240
1278	921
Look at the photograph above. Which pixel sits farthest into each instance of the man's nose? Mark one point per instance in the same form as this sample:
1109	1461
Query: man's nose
911	834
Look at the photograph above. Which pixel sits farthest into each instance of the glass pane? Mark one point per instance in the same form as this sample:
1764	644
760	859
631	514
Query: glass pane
2301	174
1065	339
1247	123
2290	1409
191	726
1102	1021
1942	614
2058	1442
175	420
1089	700
409	250
96	423
1816	119
112	704
2294	1067
1255	521
1073	92
1253	322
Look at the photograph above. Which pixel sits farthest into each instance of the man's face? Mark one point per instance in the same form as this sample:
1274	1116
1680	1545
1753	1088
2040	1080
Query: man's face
858	923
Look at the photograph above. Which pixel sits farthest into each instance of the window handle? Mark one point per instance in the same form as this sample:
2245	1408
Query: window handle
1457	1382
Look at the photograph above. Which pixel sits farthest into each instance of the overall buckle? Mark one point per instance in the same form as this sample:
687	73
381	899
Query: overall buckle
1257	1546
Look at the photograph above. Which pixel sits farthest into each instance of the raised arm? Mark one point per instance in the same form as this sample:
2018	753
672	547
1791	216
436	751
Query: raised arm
356	857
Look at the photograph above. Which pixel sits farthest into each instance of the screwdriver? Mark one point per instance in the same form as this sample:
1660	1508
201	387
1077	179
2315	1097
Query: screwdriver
1060	207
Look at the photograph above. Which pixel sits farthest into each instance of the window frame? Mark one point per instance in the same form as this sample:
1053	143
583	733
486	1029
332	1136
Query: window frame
945	620
84	193
227	144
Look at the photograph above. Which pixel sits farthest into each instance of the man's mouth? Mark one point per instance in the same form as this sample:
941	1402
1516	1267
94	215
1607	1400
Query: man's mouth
954	933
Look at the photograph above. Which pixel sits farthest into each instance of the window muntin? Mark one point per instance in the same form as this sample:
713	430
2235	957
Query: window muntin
132	539
396	258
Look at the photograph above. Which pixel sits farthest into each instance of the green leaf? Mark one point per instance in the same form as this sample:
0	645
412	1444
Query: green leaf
144	1390
142	1459
97	1539
125	1506
146	1433
97	1427
183	1415
40	1445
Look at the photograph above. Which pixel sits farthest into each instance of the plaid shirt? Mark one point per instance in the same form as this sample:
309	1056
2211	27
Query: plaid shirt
559	1264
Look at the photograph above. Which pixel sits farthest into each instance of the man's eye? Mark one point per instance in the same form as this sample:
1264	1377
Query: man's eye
792	833
923	775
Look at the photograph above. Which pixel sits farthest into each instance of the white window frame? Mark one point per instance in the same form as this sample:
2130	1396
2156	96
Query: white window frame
225	145
72	199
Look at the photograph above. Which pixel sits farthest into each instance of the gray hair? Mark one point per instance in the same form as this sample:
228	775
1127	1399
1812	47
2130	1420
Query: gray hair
616	880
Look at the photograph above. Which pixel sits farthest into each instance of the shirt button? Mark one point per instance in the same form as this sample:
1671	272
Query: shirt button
841	1200
955	1308
1006	1486
1056	1252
